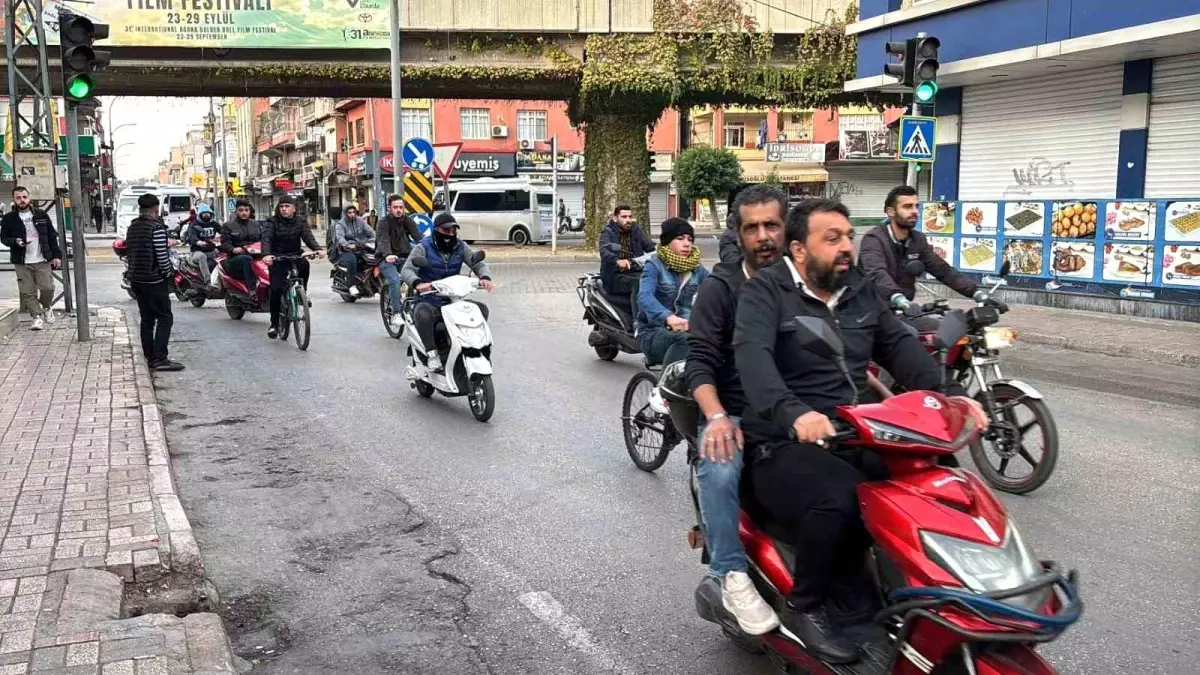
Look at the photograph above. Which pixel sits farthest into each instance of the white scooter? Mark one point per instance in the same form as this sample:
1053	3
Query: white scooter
468	367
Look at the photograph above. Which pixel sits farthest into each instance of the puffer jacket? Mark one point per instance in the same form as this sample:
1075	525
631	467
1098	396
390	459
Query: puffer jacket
282	236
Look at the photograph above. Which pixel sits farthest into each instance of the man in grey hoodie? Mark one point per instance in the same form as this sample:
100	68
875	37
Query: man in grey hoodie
350	235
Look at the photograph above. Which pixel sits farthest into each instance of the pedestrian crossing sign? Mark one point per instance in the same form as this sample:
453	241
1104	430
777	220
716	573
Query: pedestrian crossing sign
917	138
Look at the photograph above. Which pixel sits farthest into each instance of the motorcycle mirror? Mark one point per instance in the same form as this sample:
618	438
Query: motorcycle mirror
1005	269
825	340
952	329
477	257
914	268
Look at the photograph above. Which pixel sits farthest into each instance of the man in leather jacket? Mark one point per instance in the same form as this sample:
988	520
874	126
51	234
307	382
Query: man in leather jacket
236	234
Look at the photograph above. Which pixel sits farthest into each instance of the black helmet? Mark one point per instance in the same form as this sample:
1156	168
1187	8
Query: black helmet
685	414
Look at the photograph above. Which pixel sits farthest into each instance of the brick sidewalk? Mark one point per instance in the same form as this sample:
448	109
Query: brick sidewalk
87	505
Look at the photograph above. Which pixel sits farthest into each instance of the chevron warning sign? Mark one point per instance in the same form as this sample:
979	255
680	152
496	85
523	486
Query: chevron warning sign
418	192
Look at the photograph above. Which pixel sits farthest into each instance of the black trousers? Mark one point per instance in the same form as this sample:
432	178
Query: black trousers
279	272
426	316
240	266
811	492
154	304
625	285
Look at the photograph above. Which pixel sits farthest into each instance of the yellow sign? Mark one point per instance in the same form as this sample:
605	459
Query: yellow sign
199	180
418	192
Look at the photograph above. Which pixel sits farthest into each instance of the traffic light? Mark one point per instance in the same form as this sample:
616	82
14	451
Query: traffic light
925	69
903	70
80	59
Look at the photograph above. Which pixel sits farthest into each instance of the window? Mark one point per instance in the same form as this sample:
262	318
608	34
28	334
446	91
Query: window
735	136
545	199
479	201
475	123
515	200
416	123
360	132
531	125
179	204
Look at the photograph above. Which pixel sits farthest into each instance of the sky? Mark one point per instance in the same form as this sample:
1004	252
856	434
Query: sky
154	125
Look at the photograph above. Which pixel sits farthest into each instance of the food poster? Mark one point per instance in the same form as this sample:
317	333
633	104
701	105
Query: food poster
1074	259
1074	220
943	246
1182	221
1025	257
938	217
1130	220
1129	263
977	255
979	218
1181	265
1024	219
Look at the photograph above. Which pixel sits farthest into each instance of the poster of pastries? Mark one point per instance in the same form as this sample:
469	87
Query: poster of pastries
943	246
1130	263
938	218
1075	259
979	217
977	255
1024	257
1181	265
1130	220
1024	219
1182	221
1074	220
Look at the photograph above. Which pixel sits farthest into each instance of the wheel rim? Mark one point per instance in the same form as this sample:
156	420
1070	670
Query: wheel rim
301	318
1010	445
478	398
645	430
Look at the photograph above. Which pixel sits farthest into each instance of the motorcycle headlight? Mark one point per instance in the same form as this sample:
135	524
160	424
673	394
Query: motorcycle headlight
995	337
984	568
893	434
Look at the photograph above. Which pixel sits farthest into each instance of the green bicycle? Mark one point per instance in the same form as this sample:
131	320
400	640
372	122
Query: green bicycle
297	317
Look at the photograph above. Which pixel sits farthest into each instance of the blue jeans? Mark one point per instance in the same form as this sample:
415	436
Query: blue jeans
719	509
660	345
391	272
349	260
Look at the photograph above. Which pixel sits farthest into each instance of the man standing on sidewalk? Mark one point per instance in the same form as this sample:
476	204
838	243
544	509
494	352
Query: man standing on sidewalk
149	268
33	248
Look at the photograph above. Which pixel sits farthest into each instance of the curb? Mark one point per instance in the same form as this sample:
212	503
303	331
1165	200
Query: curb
1152	354
9	318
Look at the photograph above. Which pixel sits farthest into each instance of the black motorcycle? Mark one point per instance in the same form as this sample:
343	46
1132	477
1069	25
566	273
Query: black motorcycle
368	270
612	324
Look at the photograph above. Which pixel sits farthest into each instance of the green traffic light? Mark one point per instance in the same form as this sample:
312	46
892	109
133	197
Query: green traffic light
80	87
925	91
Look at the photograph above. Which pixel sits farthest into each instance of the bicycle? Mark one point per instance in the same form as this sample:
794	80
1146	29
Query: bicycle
385	306
295	305
650	435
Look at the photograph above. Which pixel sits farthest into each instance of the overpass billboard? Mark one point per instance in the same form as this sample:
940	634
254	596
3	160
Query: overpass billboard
291	24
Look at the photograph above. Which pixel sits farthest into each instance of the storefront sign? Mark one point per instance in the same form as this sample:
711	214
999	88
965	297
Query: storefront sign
387	162
35	172
529	160
865	137
796	153
485	165
283	184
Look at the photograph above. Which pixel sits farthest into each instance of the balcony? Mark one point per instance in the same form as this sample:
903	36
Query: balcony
277	131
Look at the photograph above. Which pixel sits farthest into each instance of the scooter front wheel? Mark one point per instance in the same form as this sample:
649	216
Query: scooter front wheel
482	397
424	389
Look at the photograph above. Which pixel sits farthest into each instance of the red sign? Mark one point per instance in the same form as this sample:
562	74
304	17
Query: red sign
387	163
283	184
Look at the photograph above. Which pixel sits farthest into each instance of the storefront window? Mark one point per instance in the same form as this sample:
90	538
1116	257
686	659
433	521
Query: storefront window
475	123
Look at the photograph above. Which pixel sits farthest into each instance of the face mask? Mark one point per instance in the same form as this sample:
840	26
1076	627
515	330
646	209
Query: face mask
446	243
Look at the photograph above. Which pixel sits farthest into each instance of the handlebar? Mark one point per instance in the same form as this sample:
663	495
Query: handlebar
842	431
291	256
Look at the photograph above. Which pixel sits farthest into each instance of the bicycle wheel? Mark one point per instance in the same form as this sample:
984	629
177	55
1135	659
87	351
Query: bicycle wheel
648	435
301	320
386	311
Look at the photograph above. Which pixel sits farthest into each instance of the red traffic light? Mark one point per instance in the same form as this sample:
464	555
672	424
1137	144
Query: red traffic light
80	29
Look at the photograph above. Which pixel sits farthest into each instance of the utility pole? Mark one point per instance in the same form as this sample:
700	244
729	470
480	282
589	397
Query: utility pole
377	180
397	100
553	191
223	176
212	152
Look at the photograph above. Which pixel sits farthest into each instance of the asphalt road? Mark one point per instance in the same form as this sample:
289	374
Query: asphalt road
354	527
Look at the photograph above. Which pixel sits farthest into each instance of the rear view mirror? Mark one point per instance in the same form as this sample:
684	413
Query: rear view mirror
952	329
914	268
824	340
477	257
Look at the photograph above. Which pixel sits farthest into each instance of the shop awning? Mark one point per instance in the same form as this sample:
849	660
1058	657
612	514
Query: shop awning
757	172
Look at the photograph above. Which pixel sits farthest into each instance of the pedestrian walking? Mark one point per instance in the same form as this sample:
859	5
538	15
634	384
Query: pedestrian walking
33	250
149	268
98	217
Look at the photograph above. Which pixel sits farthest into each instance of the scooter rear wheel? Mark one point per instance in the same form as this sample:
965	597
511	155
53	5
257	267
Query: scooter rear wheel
647	434
198	302
235	310
607	352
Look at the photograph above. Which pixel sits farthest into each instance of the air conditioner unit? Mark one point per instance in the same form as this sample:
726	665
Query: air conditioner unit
499	131
525	144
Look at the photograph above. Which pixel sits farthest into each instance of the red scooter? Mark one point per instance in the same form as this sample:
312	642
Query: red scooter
955	589
238	299
192	286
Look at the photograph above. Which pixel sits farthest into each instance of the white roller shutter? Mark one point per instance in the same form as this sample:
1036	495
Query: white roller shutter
572	195
1173	152
1053	137
862	187
660	194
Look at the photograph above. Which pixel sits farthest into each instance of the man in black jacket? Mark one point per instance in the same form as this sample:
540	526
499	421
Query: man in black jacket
200	235
236	234
619	279
282	236
149	267
33	249
757	215
792	390
885	250
393	241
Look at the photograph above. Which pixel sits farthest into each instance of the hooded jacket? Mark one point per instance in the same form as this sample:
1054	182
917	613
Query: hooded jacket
352	231
200	234
282	236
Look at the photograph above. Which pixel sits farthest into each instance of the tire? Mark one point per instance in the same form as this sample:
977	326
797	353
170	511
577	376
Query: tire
607	352
636	424
385	311
482	398
302	323
198	302
180	294
346	297
424	389
519	237
1007	397
235	311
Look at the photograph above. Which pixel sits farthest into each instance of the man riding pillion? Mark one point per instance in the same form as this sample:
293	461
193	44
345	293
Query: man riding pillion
393	244
200	235
793	391
350	234
617	276
283	235
438	256
888	247
236	234
669	282
757	216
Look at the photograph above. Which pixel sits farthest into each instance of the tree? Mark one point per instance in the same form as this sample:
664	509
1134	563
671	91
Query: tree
707	173
772	179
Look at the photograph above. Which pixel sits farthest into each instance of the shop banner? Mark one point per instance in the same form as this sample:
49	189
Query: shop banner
865	137
285	24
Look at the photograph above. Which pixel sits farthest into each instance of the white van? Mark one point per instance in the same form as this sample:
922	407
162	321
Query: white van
176	202
502	209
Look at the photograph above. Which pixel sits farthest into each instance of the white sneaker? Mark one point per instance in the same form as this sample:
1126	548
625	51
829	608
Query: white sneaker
50	318
397	323
741	598
354	292
657	404
37	324
434	363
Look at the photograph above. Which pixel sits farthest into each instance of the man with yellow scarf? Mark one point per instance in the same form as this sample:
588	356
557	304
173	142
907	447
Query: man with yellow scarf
669	283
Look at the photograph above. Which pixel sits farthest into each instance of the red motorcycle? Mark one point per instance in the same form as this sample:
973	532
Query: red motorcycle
192	286
238	298
954	588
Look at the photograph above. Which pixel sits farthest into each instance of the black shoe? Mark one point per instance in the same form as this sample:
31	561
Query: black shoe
168	366
819	635
272	332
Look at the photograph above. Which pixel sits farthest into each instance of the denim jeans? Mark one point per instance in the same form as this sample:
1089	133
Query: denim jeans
349	260
720	510
391	272
660	345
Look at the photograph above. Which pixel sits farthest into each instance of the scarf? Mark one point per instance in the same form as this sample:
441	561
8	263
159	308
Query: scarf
626	243
677	263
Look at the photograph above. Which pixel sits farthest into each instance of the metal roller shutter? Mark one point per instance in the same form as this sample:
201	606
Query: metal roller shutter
863	187
1053	137
660	194
572	196
1173	151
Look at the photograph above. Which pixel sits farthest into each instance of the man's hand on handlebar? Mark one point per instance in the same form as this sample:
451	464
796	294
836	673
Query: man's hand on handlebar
268	259
677	324
623	265
812	427
424	287
487	284
976	410
391	259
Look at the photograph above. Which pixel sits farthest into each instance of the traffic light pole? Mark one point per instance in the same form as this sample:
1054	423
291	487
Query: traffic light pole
397	102
911	174
82	319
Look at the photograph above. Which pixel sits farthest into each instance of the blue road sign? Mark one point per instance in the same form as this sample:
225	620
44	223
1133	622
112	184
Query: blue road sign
418	154
916	138
230	205
424	223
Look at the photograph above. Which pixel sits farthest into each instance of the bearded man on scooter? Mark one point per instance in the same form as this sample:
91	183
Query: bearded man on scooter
757	216
792	391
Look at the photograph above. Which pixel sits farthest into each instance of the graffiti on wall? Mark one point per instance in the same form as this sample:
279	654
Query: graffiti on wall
1039	173
837	189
